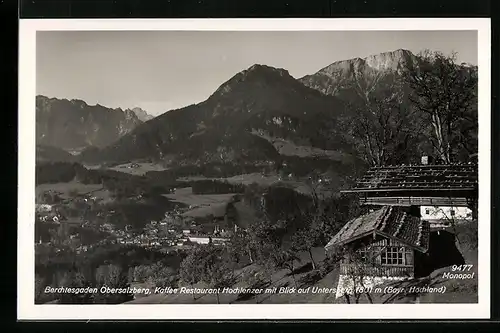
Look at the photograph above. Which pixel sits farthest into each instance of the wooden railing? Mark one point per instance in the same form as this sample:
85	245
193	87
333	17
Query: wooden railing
415	201
381	270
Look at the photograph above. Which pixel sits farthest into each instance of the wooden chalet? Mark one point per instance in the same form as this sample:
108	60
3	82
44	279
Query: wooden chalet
390	241
383	243
453	185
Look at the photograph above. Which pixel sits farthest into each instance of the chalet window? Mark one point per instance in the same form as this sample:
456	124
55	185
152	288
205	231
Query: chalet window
452	212
393	255
427	211
364	254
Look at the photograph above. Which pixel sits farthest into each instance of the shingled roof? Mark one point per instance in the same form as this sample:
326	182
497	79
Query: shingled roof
390	222
449	177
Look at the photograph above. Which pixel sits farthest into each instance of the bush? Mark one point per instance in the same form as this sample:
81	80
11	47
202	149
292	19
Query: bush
49	197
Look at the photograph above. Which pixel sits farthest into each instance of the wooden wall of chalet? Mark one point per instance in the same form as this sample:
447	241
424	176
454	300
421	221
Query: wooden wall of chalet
409	199
373	252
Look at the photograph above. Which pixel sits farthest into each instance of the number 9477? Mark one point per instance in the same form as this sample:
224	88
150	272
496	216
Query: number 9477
461	268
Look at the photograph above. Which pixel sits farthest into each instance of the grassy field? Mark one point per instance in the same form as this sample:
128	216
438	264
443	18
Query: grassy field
64	189
213	209
258	178
186	196
139	170
266	181
288	148
200	204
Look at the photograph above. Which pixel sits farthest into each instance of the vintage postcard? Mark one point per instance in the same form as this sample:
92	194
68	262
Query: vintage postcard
254	169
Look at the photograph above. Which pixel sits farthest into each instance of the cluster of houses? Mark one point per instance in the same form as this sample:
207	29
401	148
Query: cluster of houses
182	239
176	229
169	232
47	213
50	212
217	237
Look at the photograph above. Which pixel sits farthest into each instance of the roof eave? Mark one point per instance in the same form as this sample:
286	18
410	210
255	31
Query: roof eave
349	240
415	247
366	190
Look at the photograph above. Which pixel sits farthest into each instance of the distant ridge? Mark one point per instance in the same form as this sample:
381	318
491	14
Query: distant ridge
73	124
259	99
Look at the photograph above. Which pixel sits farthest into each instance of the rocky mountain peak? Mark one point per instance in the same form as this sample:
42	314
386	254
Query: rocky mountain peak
384	62
256	73
388	60
141	114
129	114
264	69
360	75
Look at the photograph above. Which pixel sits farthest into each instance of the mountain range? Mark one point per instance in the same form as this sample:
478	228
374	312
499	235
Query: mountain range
73	124
258	115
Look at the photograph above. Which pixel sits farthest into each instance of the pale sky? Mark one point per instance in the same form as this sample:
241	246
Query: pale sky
164	70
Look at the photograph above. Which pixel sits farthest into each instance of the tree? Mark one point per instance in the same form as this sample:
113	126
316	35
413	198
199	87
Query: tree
265	236
314	217
75	279
60	236
382	128
162	276
48	197
326	213
142	272
445	93
240	245
285	259
114	277
336	210
191	270
217	269
358	272
305	240
210	264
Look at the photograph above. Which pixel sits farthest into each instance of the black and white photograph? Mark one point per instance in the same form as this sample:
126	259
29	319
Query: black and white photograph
244	168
